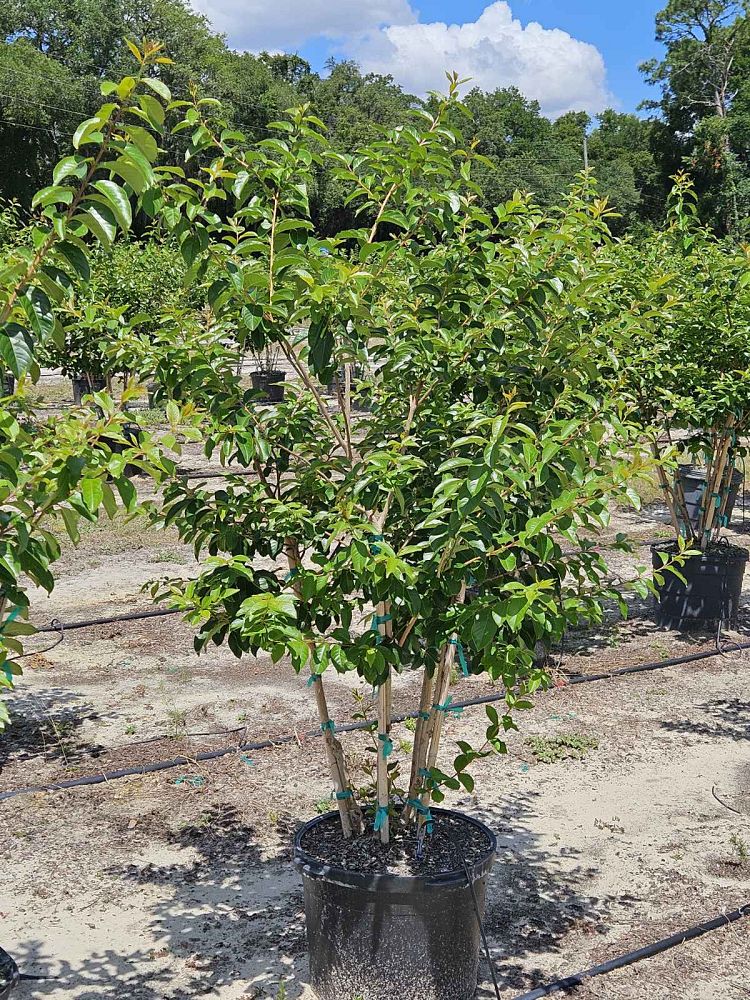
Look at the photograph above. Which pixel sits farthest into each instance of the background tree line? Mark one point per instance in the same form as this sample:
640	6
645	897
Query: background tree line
54	53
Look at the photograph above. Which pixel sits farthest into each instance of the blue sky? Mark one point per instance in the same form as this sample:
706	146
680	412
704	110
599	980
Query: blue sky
568	55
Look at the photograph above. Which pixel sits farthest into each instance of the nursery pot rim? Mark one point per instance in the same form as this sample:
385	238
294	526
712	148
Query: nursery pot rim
731	555
314	868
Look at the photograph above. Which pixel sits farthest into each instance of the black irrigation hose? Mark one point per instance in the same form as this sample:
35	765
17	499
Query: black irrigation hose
349	727
570	982
57	626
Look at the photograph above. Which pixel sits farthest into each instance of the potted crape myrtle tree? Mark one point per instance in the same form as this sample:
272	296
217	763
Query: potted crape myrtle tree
494	441
55	474
693	385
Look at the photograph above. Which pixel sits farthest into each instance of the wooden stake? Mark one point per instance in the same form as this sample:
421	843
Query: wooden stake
349	811
421	740
437	714
384	730
713	487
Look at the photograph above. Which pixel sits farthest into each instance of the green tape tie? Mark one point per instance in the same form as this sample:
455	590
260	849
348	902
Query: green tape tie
347	794
378	620
10	619
387	744
724	520
423	811
424	716
461	658
381	815
292	573
448	707
330	725
375	549
196	782
312	678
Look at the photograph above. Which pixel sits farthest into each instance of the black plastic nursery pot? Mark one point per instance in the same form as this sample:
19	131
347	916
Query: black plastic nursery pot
712	591
381	936
693	482
133	434
9	385
84	387
270	384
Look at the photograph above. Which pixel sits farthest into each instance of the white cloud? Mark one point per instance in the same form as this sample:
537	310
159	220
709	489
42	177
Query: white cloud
496	50
288	24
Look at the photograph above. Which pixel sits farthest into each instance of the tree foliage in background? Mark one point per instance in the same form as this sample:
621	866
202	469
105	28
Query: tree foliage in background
49	49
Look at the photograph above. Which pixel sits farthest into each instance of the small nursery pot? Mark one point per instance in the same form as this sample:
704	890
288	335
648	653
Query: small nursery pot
133	434
81	387
377	937
151	390
693	482
713	588
271	384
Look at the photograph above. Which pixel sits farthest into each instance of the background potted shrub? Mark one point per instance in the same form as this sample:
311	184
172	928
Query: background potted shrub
267	378
491	450
693	387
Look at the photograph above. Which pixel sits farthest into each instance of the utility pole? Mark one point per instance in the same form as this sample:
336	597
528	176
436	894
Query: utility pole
585	152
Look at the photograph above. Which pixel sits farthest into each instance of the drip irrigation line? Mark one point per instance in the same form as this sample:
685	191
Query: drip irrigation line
570	982
58	626
349	727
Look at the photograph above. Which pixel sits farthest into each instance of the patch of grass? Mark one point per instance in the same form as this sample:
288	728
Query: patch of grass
566	746
322	806
151	418
168	556
740	850
411	725
177	718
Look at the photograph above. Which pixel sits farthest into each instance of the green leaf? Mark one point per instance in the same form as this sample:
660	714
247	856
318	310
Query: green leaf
75	257
158	86
91	494
16	348
118	200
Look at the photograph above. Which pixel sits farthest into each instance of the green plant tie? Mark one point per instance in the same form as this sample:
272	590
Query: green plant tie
330	725
375	549
387	744
10	619
423	811
447	707
346	794
724	520
381	815
424	772
378	620
424	716
312	678
461	657
717	499
292	573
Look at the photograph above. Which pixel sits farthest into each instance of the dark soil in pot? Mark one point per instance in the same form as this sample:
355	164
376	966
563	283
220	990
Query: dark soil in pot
270	385
378	918
710	592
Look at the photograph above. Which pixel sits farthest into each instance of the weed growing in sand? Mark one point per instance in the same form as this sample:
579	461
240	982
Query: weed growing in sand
566	746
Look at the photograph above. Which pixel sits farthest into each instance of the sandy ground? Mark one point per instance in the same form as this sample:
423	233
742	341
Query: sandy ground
178	884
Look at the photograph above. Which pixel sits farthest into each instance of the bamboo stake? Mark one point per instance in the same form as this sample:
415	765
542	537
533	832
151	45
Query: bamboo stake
667	490
726	486
718	475
384	729
349	811
437	712
421	741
